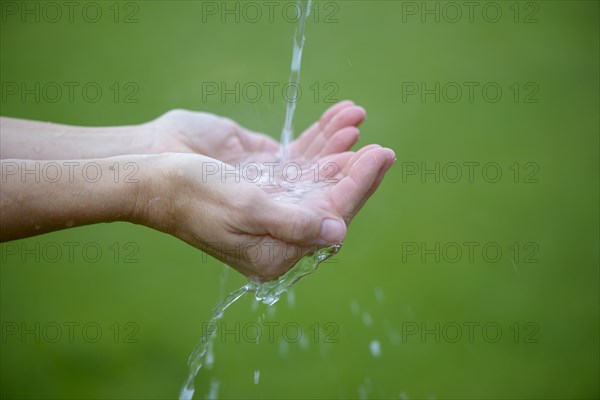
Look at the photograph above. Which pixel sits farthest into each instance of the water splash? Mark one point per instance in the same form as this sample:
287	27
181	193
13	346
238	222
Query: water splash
199	355
268	293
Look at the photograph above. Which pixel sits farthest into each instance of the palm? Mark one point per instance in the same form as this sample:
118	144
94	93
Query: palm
338	184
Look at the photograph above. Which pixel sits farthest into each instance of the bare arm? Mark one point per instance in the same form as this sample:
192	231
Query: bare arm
178	131
43	196
33	140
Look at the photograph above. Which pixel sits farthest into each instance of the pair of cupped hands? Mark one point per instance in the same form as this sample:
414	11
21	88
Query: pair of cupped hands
202	201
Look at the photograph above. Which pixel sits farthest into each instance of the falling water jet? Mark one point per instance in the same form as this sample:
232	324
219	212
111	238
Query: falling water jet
270	292
288	130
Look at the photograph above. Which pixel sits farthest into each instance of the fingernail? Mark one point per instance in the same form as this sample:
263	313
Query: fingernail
391	153
332	231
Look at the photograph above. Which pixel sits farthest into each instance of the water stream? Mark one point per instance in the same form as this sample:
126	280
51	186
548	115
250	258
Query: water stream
266	292
288	131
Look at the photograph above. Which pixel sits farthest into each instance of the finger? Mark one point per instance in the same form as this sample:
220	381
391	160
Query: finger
333	111
290	223
330	168
306	138
356	156
353	189
380	176
341	141
350	116
340	162
295	225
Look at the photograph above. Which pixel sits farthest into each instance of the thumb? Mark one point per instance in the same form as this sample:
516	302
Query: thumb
294	224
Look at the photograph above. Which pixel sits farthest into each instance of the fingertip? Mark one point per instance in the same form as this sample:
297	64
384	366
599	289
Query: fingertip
332	231
348	135
357	114
345	102
333	110
362	110
390	154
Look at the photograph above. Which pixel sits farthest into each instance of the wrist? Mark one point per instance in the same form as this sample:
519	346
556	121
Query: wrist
153	204
145	190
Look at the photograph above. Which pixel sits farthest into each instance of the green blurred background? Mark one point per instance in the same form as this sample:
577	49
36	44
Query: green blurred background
384	296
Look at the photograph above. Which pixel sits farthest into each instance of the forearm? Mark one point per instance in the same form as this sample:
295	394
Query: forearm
43	196
33	140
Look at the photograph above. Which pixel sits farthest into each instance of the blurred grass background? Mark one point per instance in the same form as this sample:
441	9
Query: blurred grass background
372	289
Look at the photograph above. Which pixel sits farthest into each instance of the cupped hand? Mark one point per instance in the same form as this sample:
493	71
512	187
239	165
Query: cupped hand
258	233
221	138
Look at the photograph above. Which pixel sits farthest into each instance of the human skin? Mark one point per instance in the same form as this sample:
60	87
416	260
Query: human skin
222	215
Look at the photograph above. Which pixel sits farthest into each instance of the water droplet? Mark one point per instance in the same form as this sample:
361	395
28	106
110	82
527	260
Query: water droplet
363	390
303	342
362	393
354	307
404	396
210	356
256	376
291	299
284	347
379	294
375	348
367	320
213	393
